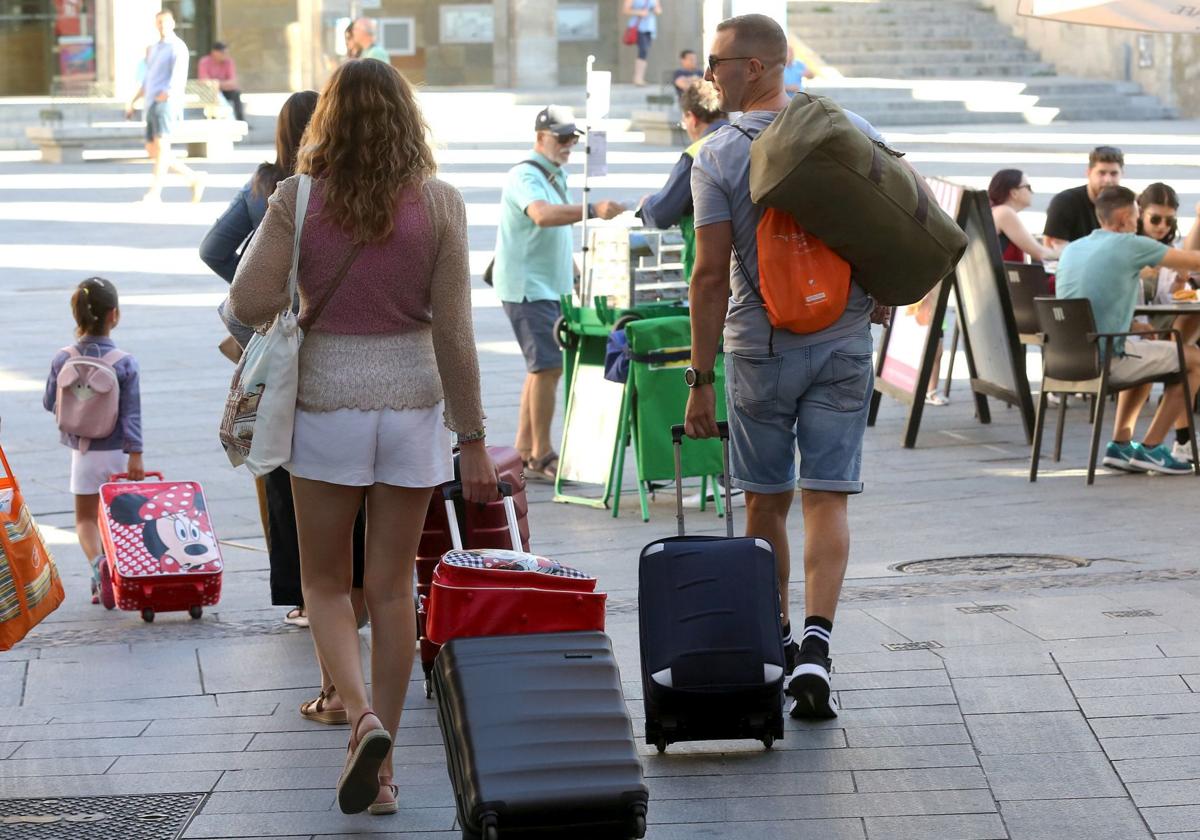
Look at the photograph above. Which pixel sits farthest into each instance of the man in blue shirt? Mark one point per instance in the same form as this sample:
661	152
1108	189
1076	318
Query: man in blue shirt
163	88
534	268
1103	267
794	73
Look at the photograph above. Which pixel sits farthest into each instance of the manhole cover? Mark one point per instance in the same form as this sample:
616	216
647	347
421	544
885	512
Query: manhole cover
138	817
897	647
1131	614
992	564
984	609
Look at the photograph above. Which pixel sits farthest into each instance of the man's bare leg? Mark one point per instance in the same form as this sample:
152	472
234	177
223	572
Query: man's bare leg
1129	405
543	396
164	162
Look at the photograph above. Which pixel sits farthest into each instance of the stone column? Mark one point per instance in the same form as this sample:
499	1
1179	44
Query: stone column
532	43
124	28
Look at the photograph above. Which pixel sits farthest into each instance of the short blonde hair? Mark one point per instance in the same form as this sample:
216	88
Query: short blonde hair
700	99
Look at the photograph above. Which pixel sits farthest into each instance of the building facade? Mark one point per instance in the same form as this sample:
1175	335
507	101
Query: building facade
94	47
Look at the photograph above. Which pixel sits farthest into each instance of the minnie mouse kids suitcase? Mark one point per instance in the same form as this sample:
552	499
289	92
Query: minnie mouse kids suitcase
160	548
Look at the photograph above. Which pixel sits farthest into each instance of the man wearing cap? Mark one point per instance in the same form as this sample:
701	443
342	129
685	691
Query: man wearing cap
219	66
534	268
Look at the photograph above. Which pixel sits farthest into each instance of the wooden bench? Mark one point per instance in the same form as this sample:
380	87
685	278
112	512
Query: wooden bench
61	143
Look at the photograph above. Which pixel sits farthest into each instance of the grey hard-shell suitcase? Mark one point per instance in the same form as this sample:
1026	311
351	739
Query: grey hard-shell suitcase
538	737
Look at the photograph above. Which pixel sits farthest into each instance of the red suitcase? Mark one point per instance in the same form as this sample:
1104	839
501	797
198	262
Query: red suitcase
161	551
485	526
499	592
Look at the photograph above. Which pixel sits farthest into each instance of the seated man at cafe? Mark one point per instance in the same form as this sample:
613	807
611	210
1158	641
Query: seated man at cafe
1104	267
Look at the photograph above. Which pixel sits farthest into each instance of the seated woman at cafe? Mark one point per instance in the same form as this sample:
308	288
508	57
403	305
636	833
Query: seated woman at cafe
1158	218
1009	193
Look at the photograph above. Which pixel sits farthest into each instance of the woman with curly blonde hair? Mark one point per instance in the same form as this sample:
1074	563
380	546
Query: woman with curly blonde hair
387	369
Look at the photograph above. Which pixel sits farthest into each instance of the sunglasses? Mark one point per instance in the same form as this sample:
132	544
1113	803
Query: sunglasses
1156	219
567	140
713	61
1025	187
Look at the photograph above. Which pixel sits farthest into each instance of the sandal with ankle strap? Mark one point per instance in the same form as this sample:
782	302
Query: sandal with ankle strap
358	786
382	809
317	709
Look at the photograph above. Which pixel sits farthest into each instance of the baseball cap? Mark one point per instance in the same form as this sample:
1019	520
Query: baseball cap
220	46
556	119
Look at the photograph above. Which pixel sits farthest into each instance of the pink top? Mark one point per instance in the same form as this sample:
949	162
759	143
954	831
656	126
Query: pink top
210	68
362	305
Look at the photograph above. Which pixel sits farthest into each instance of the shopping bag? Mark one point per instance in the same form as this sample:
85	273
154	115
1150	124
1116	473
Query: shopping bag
30	588
260	409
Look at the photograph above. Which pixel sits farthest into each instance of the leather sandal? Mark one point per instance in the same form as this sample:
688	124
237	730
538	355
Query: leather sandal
316	709
388	805
544	468
358	786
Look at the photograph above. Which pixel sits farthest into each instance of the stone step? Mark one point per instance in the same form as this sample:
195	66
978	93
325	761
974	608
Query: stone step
821	44
1019	56
886	70
936	9
903	32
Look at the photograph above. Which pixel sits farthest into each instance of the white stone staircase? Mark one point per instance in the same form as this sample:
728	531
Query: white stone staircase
940	62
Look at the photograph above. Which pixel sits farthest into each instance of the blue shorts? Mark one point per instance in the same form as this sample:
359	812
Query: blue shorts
533	323
160	119
813	399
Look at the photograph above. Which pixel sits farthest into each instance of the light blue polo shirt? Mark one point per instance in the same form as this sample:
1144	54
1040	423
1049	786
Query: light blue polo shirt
1103	267
532	263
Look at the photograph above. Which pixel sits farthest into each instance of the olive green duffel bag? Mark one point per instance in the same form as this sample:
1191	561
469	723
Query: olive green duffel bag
857	197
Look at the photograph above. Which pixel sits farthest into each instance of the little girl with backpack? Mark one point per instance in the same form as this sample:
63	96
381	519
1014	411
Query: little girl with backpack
93	391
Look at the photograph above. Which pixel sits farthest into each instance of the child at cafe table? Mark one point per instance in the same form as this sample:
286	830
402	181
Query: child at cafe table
1104	267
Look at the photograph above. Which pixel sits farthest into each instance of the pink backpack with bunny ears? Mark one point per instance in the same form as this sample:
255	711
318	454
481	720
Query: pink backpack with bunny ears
89	395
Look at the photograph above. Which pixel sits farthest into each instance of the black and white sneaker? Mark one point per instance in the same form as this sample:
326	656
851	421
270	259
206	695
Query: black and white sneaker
809	688
791	661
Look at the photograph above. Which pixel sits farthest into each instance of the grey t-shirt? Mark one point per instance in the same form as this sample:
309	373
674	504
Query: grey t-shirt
721	193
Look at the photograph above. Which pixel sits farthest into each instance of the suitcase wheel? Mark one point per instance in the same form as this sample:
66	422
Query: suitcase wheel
147	615
195	612
490	830
637	826
661	744
768	741
107	598
428	689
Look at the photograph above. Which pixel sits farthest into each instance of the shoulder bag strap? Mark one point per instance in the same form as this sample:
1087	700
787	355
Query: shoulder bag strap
312	316
549	177
302	193
737	256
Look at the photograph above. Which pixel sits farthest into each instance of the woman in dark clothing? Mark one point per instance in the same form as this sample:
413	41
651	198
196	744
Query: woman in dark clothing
221	250
1009	193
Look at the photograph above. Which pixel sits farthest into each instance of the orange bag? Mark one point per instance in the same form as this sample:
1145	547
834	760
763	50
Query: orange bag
804	284
30	588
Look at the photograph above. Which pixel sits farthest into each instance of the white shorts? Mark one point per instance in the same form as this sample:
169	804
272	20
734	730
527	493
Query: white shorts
1143	359
92	468
404	448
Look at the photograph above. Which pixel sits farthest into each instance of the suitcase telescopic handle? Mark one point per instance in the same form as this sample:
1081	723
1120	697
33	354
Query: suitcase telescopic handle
677	436
453	490
124	476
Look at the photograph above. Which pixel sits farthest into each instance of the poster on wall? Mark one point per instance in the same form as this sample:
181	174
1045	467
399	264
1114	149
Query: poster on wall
468	23
76	57
578	22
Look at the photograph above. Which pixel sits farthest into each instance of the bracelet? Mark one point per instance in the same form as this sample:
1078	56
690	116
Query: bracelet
591	210
470	437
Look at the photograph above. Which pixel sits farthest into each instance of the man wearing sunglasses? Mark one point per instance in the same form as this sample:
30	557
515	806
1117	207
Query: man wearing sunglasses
784	391
534	268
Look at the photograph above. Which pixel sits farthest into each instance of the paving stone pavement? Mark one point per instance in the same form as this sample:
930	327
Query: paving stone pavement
1035	709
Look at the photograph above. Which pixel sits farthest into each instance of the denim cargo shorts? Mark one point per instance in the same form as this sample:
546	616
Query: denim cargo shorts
812	399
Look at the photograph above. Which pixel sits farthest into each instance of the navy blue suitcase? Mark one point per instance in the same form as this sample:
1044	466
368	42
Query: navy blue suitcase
538	738
711	641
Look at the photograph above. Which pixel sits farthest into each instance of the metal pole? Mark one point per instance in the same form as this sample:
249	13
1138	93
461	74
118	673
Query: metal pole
585	286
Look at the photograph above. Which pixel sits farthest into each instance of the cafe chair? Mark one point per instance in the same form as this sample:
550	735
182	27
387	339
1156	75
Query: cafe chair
1071	364
1026	282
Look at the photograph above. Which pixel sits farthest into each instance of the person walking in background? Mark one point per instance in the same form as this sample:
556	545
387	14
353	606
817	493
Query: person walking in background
672	205
794	73
387	366
644	14
119	450
534	268
1009	193
784	390
163	90
221	251
362	36
218	66
1072	213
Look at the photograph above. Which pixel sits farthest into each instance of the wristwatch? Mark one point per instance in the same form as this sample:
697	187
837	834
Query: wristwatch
695	378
